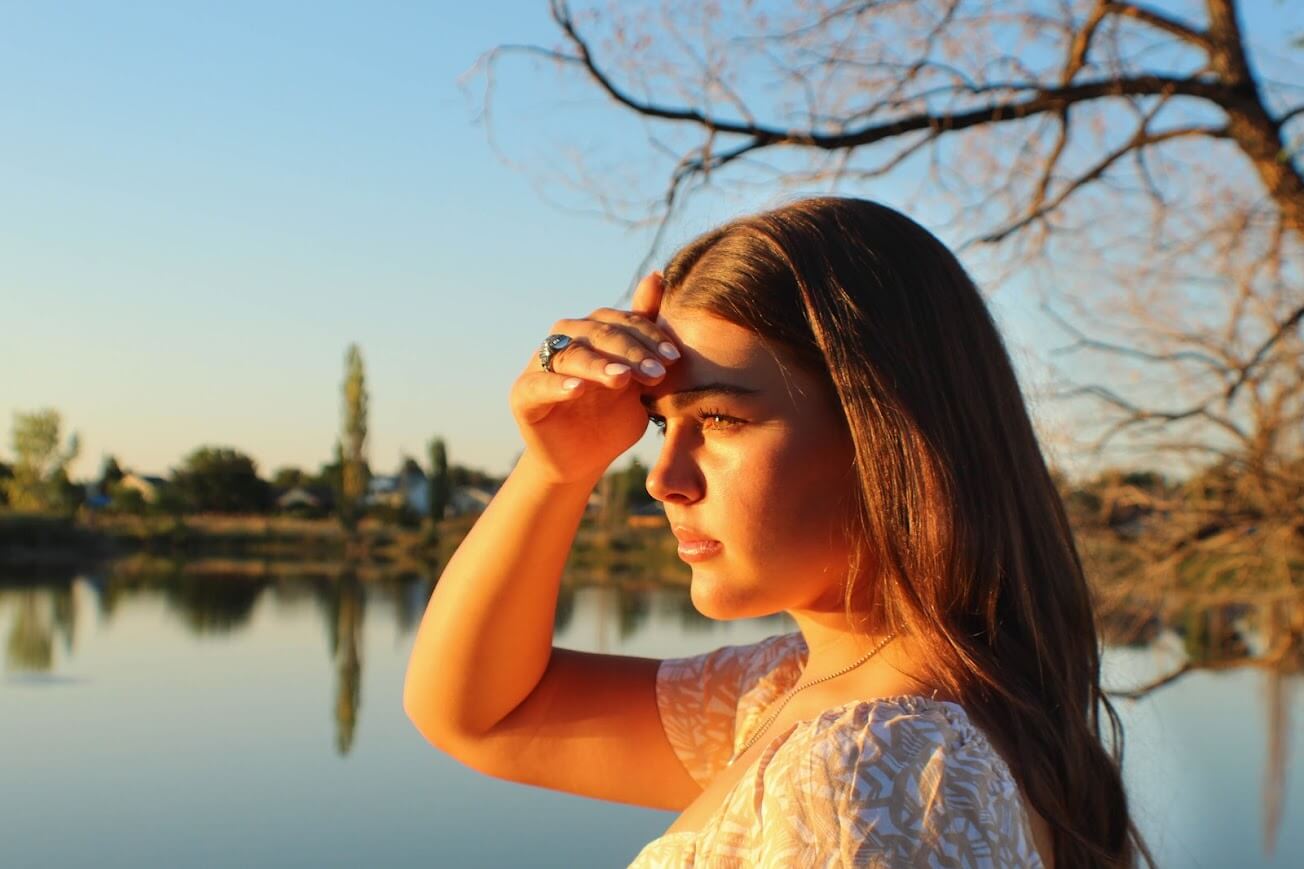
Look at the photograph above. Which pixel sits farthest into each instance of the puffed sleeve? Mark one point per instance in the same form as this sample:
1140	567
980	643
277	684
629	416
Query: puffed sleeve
902	782
698	697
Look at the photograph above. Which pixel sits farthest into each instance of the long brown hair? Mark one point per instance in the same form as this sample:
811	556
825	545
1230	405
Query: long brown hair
971	548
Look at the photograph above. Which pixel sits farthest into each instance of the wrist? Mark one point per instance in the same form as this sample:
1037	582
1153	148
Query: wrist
539	473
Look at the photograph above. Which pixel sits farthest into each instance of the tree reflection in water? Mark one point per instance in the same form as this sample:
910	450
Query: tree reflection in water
345	606
31	639
213	604
1262	631
41	614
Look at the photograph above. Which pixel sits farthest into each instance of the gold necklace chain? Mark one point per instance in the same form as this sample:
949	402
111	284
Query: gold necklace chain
770	720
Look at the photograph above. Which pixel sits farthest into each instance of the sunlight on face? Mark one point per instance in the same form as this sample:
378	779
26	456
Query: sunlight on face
769	473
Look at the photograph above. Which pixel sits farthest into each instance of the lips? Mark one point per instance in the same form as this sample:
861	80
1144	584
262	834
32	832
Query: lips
695	546
691	535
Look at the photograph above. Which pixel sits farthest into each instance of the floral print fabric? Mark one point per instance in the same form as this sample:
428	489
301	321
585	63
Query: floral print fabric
888	782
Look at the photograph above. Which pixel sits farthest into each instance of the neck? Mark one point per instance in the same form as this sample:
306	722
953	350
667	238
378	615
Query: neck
833	644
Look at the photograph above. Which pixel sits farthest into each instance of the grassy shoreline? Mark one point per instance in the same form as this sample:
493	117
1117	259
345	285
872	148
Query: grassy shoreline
289	546
276	546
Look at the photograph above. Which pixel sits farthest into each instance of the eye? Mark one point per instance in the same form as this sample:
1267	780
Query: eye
726	421
719	421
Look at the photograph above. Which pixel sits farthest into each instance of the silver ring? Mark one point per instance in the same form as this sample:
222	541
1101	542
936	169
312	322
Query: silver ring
552	345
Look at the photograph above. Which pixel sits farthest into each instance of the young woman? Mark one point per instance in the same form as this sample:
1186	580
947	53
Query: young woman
844	440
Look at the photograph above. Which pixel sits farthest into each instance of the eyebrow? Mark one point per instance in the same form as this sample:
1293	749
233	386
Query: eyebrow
684	397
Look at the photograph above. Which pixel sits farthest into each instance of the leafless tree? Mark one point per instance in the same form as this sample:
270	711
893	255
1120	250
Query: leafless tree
1136	167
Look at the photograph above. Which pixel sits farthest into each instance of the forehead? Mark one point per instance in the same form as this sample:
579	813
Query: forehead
710	340
716	351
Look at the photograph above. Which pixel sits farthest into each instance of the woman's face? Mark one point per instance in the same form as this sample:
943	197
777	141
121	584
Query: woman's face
771	477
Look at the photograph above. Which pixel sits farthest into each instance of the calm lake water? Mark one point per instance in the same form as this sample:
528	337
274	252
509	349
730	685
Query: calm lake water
230	722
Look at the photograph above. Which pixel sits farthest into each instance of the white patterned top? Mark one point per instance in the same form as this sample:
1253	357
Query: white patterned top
888	782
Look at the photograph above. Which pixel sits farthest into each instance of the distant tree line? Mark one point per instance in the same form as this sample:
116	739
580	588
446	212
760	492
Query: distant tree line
210	479
222	479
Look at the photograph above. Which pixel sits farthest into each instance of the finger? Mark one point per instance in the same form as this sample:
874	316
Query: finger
622	336
537	394
578	359
652	338
647	296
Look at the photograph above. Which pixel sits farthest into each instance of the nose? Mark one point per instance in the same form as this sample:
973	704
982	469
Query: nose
675	476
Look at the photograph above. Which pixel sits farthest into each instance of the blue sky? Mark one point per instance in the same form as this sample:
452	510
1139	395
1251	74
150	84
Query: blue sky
205	203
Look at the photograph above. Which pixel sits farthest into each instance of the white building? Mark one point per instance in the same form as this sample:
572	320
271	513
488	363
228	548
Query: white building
148	486
409	486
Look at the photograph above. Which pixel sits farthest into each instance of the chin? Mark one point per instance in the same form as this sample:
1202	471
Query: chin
720	602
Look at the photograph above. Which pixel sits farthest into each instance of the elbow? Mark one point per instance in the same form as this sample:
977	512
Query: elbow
439	731
444	723
425	723
410	709
433	723
419	711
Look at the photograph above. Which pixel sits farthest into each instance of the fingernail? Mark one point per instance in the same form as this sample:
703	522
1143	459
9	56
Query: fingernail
651	366
570	383
614	368
668	350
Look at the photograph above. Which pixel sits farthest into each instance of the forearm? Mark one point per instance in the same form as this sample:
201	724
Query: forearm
486	636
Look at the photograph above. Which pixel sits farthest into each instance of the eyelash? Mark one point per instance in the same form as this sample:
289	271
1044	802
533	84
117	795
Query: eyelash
702	415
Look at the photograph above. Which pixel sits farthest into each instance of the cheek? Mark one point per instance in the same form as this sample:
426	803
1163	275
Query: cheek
777	515
809	525
788	503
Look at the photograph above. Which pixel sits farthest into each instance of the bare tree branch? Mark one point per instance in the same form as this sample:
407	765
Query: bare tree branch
1163	22
1118	156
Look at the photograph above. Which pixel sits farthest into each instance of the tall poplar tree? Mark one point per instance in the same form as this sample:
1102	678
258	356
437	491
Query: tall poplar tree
439	483
354	441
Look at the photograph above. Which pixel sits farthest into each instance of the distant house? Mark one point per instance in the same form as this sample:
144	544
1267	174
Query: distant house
299	498
95	499
408	487
306	500
149	486
92	496
466	500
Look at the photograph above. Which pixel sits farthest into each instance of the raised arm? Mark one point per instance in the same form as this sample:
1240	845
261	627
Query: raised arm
486	637
484	682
